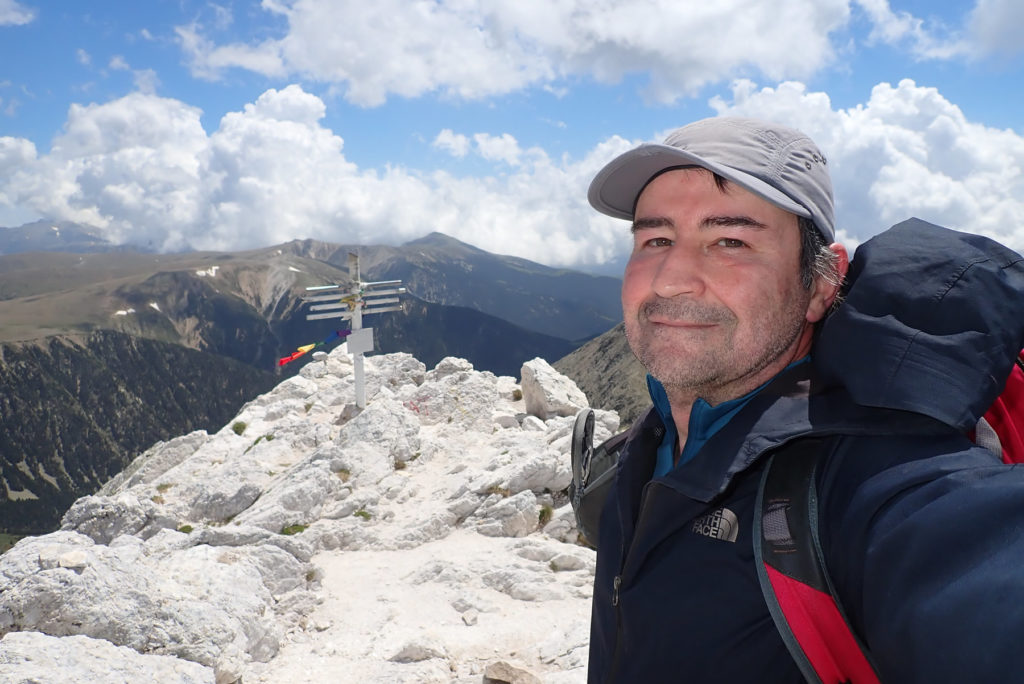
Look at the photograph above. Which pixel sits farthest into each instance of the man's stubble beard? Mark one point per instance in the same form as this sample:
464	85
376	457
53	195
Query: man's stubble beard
712	365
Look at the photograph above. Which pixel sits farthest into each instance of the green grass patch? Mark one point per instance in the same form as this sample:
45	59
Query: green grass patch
8	540
187	529
292	529
365	515
545	515
239	427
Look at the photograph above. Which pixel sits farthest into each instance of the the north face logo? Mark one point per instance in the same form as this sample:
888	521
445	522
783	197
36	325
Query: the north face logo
721	524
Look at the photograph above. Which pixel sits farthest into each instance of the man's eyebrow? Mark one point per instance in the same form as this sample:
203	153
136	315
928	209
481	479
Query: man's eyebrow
650	222
740	221
732	222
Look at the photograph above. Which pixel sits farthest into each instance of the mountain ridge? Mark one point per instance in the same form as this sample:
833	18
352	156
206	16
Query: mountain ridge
242	307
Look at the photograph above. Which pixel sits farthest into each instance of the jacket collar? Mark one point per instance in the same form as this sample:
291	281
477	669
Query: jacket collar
794	404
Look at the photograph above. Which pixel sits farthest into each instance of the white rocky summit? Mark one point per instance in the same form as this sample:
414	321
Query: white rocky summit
423	539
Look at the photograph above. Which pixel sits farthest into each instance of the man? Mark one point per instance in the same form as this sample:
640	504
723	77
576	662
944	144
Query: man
733	267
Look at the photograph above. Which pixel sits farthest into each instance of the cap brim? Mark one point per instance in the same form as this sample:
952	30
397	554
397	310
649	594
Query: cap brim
615	188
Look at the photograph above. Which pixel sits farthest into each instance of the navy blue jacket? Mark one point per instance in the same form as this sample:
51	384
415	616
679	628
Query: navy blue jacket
923	533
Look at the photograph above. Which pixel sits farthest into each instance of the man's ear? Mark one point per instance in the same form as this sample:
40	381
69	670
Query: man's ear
825	292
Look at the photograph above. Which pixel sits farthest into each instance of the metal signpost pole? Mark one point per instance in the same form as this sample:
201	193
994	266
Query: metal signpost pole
357	324
363	298
357	355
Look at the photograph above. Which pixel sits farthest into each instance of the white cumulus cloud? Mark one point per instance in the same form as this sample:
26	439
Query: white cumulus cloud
503	148
13	13
480	48
143	170
995	27
906	152
475	49
454	144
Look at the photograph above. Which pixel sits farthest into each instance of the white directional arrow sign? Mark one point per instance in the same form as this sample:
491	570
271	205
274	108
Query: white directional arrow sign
351	304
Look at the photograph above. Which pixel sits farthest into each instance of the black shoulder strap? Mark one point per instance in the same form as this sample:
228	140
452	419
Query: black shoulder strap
593	472
792	571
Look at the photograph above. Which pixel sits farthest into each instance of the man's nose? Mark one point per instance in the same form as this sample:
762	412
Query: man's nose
680	272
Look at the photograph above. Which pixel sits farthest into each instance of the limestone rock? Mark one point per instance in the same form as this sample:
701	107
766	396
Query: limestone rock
387	424
398	543
200	603
504	673
34	657
155	461
106	518
548	393
417	651
515	516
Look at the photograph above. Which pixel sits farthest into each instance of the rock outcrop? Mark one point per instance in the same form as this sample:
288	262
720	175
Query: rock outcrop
423	539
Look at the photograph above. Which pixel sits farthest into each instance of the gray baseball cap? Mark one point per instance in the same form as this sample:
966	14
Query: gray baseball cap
777	163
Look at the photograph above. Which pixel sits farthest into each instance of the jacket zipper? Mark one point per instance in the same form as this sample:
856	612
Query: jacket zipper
613	670
617	585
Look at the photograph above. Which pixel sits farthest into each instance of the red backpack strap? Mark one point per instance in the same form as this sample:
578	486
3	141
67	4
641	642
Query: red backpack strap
1006	415
792	574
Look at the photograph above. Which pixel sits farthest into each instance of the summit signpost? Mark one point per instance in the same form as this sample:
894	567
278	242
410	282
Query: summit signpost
360	299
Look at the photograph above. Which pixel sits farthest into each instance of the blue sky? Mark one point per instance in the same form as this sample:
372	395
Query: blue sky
225	125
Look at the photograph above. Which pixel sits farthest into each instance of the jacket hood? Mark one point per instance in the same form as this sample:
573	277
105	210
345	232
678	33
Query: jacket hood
932	322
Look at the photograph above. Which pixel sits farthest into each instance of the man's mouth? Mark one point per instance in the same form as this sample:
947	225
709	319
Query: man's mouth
679	323
683	315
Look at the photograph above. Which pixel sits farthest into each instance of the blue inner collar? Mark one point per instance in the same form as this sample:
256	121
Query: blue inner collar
705	421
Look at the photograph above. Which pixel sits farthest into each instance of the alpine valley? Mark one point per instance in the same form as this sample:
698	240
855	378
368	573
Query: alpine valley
105	350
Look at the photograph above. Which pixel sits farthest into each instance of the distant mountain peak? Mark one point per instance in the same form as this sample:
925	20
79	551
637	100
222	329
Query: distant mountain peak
446	242
435	237
45	235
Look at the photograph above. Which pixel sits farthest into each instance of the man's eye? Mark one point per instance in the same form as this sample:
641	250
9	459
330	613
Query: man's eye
659	242
730	243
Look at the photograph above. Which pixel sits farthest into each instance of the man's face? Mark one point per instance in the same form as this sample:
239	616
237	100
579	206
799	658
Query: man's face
711	297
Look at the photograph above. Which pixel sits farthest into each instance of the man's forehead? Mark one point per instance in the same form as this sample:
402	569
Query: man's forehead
706	204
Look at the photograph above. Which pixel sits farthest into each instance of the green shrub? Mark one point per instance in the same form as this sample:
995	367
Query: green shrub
545	515
365	515
7	541
163	487
187	529
239	427
292	529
